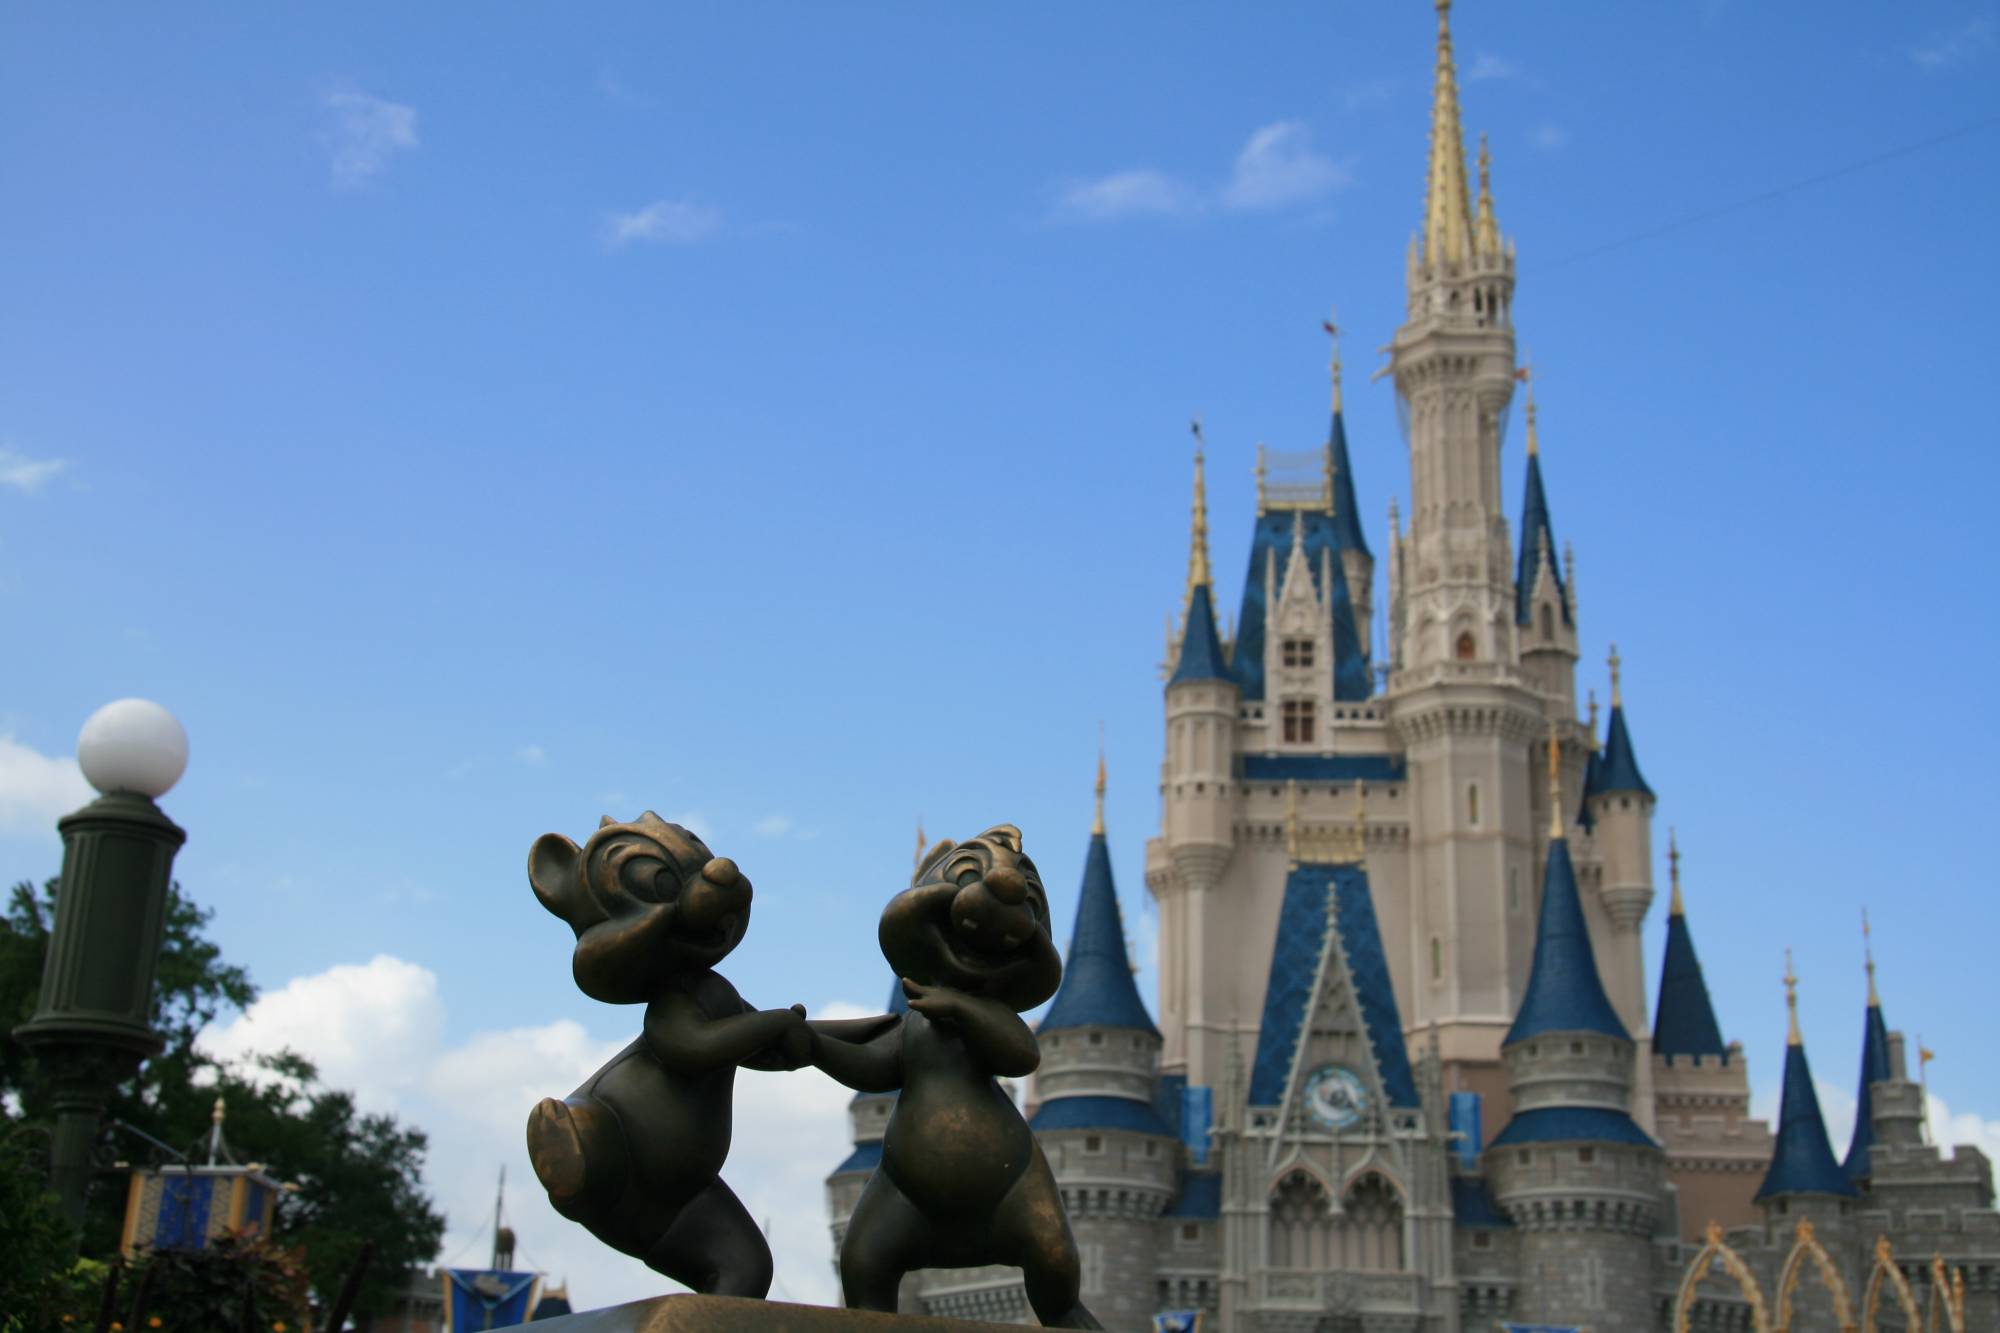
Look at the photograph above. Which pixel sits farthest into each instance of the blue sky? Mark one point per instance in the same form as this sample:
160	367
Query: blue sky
472	422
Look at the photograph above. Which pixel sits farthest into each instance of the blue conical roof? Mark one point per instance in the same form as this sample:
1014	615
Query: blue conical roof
1802	1160
1874	1069
1618	770
1346	516
1097	987
1684	1023
1565	993
1535	526
1201	647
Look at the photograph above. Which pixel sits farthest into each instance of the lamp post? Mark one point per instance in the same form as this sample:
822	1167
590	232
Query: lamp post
92	1026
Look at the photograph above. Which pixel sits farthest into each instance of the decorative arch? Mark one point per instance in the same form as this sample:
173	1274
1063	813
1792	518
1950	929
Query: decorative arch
1369	1236
1885	1270
1804	1248
1948	1295
1300	1213
1371	1166
1732	1263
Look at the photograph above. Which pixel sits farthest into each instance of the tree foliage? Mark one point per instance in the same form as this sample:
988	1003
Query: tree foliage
359	1175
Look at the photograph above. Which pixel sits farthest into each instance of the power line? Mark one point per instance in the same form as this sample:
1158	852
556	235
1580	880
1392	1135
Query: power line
1723	210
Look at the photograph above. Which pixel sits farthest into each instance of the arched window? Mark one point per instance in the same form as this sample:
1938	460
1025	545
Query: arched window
1465	647
1371	1231
1472	804
1548	621
1301	1229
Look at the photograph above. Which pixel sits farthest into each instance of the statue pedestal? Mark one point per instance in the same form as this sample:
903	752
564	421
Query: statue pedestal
731	1314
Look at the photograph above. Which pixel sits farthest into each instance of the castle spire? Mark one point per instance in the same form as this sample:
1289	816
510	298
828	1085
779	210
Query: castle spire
1538	534
1618	771
1201	655
1097	824
1875	1068
1097	987
1684	1023
1447	215
1332	327
1555	785
1487	230
1565	992
1802	1160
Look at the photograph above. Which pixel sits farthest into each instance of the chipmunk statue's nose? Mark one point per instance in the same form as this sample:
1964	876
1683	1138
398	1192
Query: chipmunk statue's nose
1007	884
721	872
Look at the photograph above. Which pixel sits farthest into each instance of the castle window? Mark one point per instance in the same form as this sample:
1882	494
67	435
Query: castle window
1298	720
1152	1148
1525	1157
1472	804
1586	1155
1097	1039
1576	1048
1093	1143
1466	648
1548	622
1190	1231
1437	959
1298	652
1482	1240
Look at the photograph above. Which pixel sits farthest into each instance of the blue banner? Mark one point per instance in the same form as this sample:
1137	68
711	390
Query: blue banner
1466	1130
477	1298
1197	1111
1178	1321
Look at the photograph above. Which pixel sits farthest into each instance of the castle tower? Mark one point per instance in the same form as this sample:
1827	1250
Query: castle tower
1196	786
1460	704
1544	615
1805	1180
1701	1088
1621	816
1581	1180
1112	1153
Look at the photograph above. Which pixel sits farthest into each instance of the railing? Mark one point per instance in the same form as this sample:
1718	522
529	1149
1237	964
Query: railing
1362	1293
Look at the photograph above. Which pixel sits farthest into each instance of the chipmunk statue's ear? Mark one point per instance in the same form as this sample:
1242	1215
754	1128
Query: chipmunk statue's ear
555	871
930	860
1004	834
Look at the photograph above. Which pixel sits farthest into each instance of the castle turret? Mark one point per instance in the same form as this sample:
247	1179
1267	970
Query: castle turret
1544	617
1875	1068
1621	816
1112	1152
1804	1180
1197	787
1576	1174
1701	1088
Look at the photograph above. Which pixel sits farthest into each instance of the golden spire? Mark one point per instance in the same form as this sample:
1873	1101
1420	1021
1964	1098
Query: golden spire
1868	954
1198	541
1792	1037
1332	327
1447	216
1675	907
1534	440
1616	662
1487	234
1097	827
1555	785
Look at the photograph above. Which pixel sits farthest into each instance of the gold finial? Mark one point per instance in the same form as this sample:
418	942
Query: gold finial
1675	907
1593	720
1198	540
1555	785
1792	1037
1488	228
1617	700
1804	1230
1868	956
1292	820
1098	826
1714	1232
1447	214
1332	326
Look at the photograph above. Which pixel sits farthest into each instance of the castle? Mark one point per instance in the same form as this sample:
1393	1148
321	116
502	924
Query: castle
1405	1073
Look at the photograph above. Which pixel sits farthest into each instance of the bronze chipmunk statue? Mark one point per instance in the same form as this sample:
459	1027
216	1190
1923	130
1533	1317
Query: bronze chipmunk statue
635	1154
962	1180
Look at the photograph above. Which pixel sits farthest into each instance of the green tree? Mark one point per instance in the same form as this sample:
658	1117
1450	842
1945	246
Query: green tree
359	1175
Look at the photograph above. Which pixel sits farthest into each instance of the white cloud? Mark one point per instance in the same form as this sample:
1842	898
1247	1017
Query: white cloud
1140	192
1837	1108
24	473
363	133
1960	46
1549	137
1369	92
1486	66
1278	167
36	790
531	754
772	826
663	222
473	1099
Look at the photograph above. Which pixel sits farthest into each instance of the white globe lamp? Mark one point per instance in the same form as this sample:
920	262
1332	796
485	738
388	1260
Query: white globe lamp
132	745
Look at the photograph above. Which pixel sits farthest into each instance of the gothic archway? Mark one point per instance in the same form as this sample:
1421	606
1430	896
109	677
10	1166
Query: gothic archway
1301	1222
1804	1249
1715	1249
1947	1298
1885	1271
1370	1235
